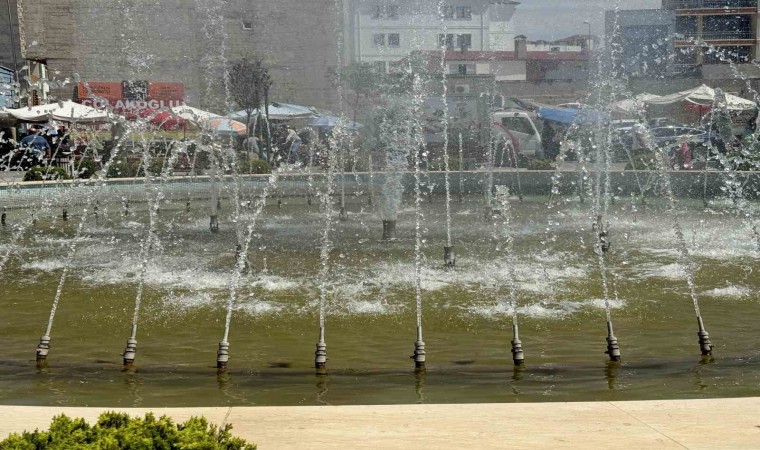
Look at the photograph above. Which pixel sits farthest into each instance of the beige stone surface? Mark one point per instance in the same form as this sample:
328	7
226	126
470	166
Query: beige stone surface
694	424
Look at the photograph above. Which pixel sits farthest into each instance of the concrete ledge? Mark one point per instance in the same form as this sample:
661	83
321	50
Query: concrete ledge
694	424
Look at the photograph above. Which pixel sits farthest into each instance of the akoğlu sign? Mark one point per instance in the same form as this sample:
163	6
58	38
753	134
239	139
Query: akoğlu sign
131	96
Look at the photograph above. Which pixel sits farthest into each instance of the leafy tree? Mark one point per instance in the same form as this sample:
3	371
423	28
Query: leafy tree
249	86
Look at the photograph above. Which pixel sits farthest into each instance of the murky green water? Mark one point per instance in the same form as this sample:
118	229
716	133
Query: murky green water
370	321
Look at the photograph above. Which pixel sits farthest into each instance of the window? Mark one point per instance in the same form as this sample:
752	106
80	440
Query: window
394	40
378	40
464	41
391	12
462	69
448	12
463	12
518	124
554	49
446	41
384	12
247	25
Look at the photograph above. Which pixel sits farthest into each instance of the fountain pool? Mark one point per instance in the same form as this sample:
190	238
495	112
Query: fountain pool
370	305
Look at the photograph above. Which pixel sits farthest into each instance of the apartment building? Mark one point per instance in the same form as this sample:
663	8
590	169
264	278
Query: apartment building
711	32
385	31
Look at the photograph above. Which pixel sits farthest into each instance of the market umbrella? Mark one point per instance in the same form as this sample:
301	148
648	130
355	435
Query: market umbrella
280	111
329	122
226	127
168	121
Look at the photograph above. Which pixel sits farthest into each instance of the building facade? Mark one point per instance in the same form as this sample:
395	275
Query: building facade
185	41
643	40
714	32
385	31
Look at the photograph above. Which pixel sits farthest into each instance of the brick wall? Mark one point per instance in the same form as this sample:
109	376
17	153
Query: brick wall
182	41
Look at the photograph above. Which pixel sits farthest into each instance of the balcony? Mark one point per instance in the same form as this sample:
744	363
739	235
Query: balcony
709	4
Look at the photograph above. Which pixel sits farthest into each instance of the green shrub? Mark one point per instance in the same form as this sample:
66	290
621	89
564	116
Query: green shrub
46	173
438	163
123	169
539	164
255	166
86	168
119	431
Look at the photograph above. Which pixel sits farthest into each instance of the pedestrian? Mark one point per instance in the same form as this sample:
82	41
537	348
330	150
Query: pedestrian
34	147
684	156
295	142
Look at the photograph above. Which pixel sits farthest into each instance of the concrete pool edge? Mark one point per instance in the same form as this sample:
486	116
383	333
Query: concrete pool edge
702	423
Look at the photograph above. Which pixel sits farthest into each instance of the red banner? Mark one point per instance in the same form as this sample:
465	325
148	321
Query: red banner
131	97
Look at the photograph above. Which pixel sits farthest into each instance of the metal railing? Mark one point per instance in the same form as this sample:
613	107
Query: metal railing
716	35
699	4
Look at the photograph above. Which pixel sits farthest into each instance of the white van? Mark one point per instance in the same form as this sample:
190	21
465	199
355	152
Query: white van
519	130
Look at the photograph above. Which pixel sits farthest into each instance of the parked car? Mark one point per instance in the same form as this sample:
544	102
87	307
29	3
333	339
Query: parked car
518	129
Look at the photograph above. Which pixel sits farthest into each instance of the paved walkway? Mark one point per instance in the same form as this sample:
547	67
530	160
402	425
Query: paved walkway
693	424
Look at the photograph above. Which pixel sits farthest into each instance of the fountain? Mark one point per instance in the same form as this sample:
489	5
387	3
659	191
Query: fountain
557	255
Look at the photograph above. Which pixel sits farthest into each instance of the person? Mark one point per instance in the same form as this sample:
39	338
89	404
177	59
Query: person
251	146
684	156
295	142
33	147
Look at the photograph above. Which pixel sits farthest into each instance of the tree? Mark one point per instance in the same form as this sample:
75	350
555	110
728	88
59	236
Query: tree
363	80
249	87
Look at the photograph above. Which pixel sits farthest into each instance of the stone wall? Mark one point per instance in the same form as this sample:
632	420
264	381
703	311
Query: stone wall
187	41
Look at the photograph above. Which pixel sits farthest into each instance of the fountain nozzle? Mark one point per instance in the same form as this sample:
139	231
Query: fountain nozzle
343	215
704	338
320	356
419	351
613	349
518	356
130	352
223	355
65	214
449	256
3	216
389	230
214	223
43	349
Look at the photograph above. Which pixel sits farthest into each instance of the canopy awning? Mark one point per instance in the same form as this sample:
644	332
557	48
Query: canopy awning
67	111
280	111
703	95
634	104
195	115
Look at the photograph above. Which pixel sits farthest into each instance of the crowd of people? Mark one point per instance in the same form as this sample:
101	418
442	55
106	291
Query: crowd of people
36	147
